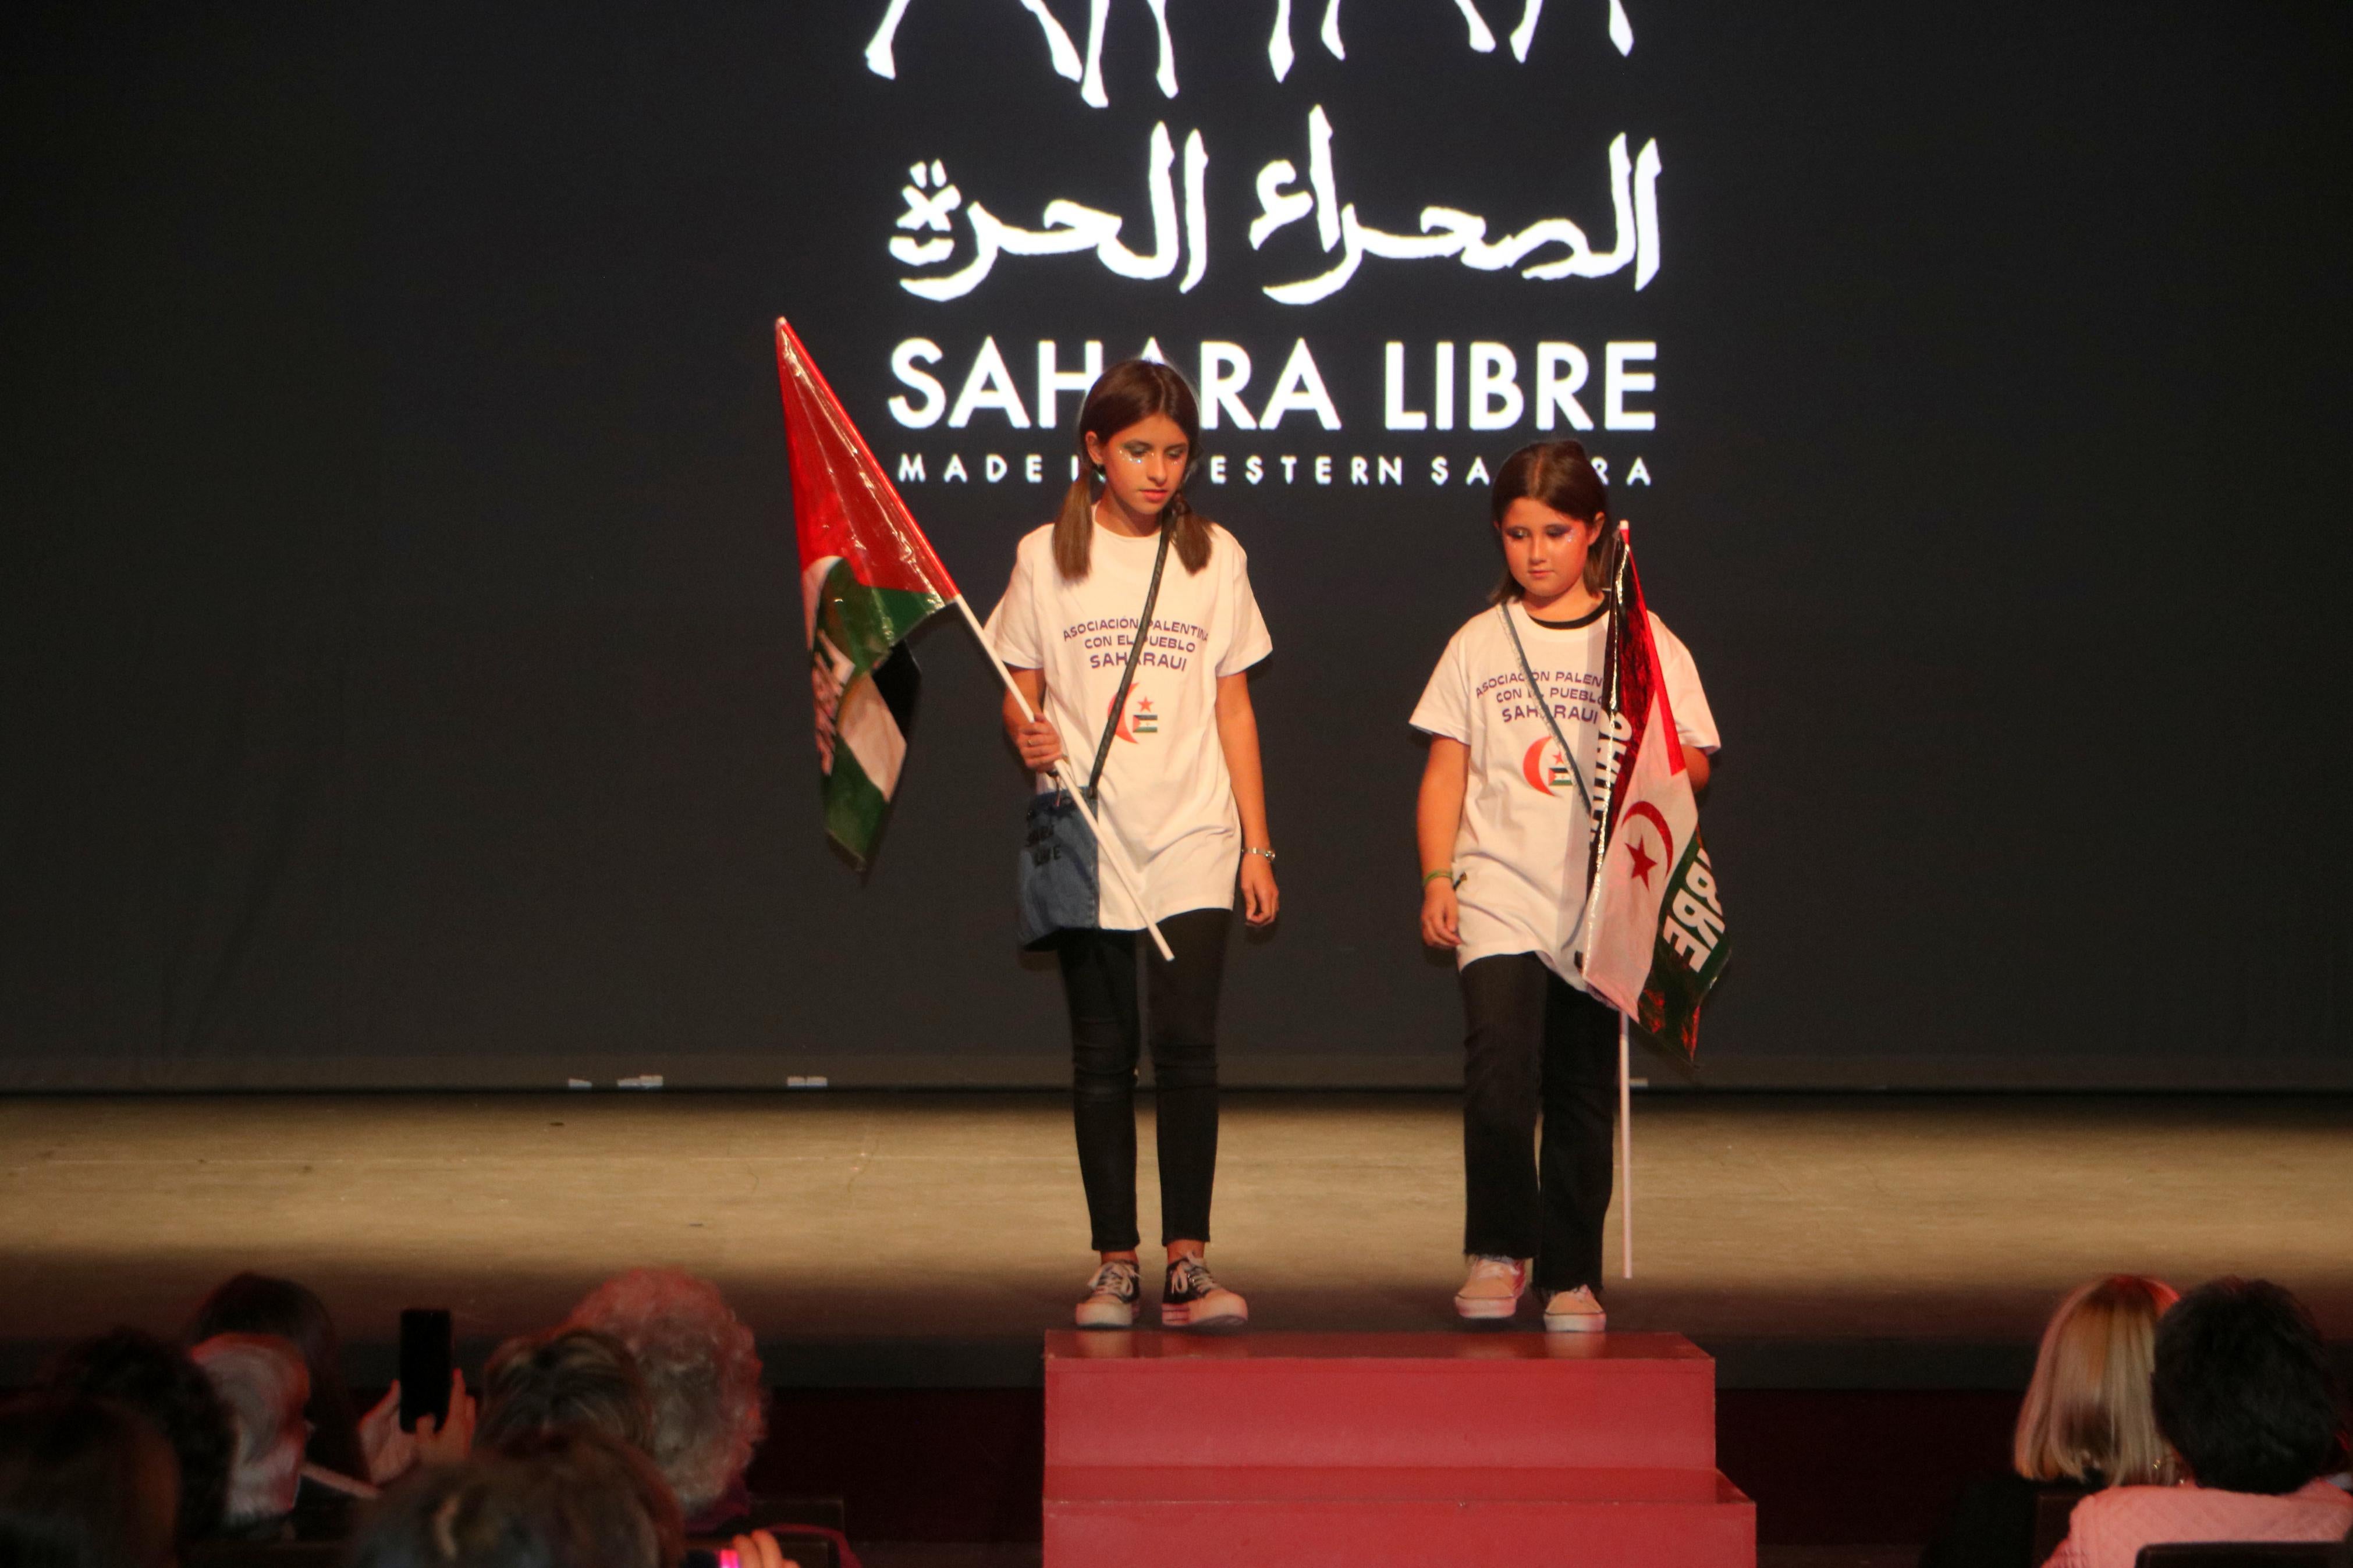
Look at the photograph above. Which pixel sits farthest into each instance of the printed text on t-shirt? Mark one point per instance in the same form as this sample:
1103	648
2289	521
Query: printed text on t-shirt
1575	695
1169	645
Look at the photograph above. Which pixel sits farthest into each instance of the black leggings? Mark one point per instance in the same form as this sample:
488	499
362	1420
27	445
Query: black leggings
1533	1042
1099	980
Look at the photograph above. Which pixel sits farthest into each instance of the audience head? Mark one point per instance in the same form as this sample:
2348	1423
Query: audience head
2244	1390
700	1372
263	1384
481	1514
158	1380
85	1483
561	1381
2086	1416
558	1500
612	1490
258	1304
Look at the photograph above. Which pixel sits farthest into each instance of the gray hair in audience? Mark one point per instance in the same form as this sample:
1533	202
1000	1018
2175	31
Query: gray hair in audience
700	1369
264	1383
565	1380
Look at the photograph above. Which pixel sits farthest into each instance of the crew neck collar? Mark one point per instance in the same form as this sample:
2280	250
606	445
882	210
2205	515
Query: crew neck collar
1581	622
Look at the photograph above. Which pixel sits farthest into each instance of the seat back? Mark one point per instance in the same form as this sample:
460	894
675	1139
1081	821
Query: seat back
825	1512
2243	1555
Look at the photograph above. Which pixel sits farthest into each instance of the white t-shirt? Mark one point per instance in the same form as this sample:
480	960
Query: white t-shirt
1165	789
1527	831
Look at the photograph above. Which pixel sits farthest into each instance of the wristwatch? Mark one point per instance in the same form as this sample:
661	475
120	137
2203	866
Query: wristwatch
1255	850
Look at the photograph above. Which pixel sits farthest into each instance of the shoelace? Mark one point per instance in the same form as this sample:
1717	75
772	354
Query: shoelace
1504	1268
1191	1278
1113	1280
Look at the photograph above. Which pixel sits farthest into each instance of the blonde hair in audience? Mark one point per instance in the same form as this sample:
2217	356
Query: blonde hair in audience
2087	1415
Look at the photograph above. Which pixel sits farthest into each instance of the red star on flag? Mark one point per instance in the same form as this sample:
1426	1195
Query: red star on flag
1643	862
1144	704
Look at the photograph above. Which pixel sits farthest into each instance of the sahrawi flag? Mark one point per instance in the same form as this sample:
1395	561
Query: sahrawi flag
868	579
1654	928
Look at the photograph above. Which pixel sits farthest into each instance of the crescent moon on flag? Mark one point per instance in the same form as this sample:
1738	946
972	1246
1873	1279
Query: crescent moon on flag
1644	808
1532	765
1120	731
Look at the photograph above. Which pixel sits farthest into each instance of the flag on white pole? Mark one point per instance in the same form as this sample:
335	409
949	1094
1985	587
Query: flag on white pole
869	578
1654	938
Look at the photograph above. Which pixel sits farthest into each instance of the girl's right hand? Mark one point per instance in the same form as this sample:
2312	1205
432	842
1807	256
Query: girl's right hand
1442	916
1040	744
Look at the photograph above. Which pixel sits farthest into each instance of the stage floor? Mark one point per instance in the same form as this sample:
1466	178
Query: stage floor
925	1240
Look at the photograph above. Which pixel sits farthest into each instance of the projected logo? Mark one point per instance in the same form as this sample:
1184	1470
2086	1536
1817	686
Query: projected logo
1319	224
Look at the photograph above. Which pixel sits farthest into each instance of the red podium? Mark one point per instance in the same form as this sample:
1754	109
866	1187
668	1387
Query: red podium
1502	1450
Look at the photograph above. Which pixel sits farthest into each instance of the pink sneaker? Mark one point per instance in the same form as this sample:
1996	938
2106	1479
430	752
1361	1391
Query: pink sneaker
1575	1312
1494	1289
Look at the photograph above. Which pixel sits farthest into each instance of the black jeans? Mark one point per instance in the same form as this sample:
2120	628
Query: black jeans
1534	1043
1106	1025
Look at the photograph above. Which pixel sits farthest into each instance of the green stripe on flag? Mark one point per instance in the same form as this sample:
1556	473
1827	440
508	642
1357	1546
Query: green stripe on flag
867	623
854	807
858	630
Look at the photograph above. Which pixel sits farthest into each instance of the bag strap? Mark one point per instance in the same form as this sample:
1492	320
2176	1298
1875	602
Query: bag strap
1135	656
1544	706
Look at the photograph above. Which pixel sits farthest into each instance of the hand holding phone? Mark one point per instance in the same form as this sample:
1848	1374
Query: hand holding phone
448	1442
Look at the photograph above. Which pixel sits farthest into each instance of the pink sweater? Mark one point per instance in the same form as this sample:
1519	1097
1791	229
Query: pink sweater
2108	1529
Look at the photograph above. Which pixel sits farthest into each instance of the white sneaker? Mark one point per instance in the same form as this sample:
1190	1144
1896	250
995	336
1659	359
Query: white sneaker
1575	1312
1111	1296
1494	1289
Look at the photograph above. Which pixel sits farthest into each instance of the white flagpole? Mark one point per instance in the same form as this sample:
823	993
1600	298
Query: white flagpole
1112	851
1625	1158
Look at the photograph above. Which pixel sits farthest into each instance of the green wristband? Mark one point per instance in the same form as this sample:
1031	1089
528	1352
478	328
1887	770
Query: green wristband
1429	876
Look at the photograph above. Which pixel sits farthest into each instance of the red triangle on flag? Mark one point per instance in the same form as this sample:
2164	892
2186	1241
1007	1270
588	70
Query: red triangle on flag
843	503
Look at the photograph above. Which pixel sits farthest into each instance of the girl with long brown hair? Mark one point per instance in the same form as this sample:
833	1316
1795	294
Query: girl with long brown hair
1135	662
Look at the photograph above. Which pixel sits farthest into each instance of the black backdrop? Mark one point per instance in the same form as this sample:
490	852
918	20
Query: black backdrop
403	659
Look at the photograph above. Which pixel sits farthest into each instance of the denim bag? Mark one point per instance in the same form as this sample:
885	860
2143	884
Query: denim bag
1060	878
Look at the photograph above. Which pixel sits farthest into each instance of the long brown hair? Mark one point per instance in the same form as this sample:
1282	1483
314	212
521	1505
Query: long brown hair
1132	390
1560	475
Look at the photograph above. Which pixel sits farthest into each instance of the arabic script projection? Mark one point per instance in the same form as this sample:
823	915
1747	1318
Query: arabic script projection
881	57
943	265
